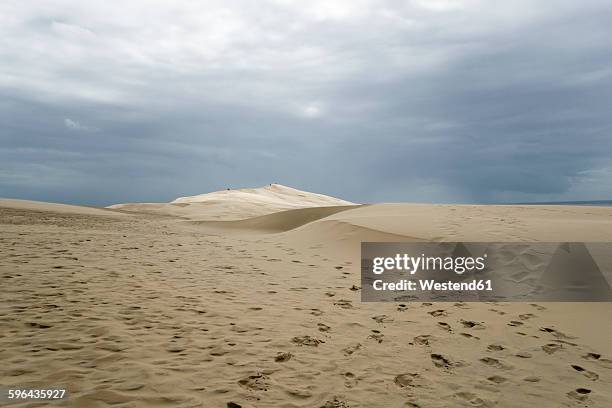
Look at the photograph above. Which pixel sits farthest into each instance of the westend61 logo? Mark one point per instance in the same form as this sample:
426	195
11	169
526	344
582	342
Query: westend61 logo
485	271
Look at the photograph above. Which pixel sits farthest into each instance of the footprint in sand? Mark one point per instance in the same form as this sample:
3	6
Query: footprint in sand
351	349
471	324
438	313
493	362
592	356
495	347
497	379
580	394
519	276
323	327
440	361
282	357
39	325
402	307
473	399
588	374
307	341
555	333
257	382
552	348
382	319
444	326
602	362
410	380
423	339
376	335
335	403
344	304
349	380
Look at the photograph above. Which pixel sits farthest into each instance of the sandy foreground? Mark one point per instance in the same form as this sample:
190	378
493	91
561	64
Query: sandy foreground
171	308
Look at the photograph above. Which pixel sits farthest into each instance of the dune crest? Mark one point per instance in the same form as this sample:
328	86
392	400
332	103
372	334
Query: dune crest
272	195
235	204
280	221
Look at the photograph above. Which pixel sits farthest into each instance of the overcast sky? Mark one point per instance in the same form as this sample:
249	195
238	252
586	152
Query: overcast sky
443	101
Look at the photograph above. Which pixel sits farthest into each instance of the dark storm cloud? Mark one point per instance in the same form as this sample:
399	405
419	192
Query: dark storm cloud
368	100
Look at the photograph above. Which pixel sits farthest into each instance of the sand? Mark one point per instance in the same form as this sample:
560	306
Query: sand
235	204
56	208
165	310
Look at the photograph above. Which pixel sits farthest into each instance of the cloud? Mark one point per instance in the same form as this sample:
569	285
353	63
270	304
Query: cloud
311	111
74	125
478	101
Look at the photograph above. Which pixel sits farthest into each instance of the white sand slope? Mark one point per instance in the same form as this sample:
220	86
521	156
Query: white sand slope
273	195
235	204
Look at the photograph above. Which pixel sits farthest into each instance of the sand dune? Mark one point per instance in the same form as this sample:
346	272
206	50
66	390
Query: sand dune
55	208
159	311
235	204
347	226
483	223
272	195
279	221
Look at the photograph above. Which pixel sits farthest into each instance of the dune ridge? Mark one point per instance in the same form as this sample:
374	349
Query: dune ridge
235	204
279	221
272	195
